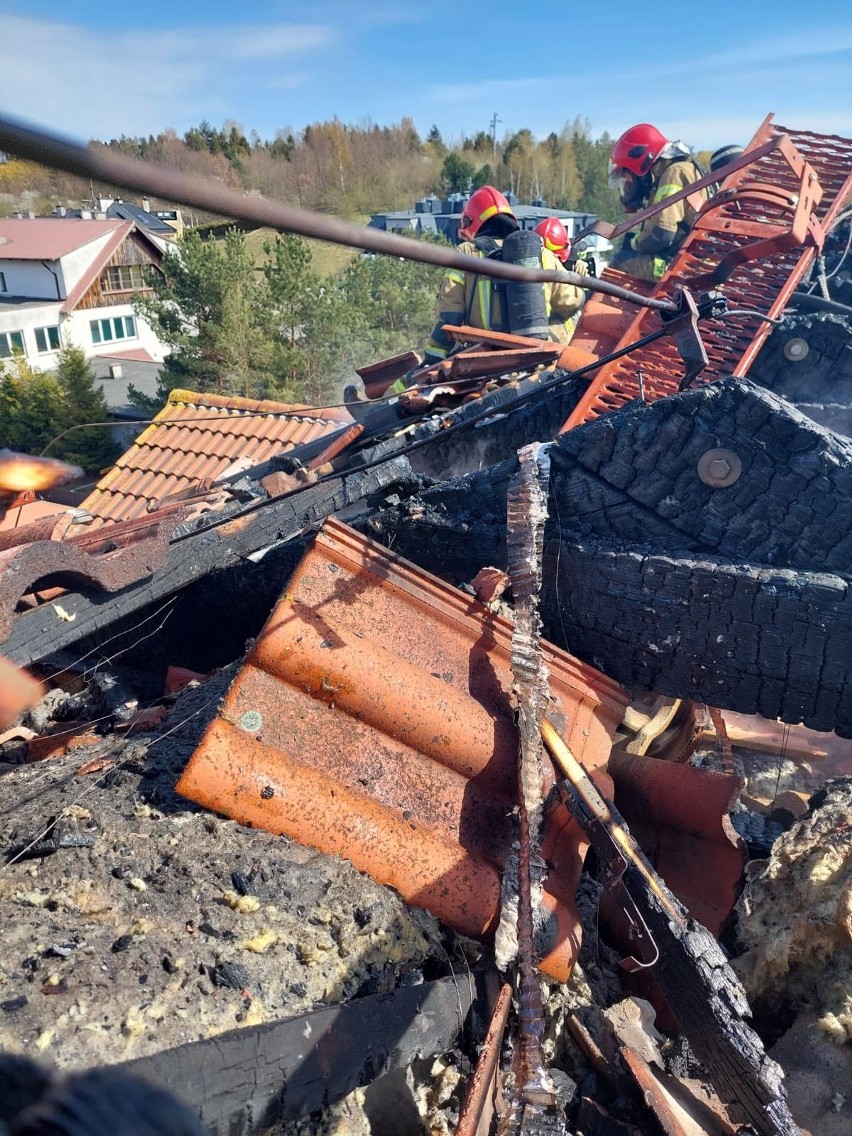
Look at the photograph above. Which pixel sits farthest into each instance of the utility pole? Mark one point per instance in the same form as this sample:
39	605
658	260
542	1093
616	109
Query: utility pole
494	121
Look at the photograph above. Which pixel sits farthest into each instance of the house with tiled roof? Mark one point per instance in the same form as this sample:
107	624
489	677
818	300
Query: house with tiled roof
72	281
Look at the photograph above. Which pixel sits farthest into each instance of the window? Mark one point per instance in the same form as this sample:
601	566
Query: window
106	330
2	282
47	339
10	342
123	278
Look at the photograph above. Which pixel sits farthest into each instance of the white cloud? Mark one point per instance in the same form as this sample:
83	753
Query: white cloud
264	41
103	83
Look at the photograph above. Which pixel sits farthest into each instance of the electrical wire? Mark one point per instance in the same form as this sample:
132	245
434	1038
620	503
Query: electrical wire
226	412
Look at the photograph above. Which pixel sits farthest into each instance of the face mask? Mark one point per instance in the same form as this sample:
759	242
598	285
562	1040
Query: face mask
632	190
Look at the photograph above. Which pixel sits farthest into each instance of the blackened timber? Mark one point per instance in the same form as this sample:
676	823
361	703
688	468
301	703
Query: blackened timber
746	637
251	1080
741	637
40	632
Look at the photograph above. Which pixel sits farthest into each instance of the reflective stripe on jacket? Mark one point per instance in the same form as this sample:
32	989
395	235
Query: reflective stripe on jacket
665	232
464	297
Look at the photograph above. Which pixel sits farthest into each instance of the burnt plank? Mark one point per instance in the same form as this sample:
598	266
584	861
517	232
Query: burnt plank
40	632
249	1080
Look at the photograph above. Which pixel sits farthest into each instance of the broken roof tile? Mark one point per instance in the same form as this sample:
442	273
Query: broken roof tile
374	719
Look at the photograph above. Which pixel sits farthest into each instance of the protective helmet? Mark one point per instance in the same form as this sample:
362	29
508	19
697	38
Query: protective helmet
481	206
723	155
555	237
637	149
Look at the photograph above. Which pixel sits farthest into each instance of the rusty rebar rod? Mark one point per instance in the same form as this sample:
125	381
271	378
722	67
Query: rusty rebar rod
99	162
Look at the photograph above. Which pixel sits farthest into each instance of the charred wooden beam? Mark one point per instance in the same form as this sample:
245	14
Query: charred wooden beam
38	633
699	548
251	1080
702	990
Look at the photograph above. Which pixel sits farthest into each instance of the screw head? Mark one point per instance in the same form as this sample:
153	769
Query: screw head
719	468
796	349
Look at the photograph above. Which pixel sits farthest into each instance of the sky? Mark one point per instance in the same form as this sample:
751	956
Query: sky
706	73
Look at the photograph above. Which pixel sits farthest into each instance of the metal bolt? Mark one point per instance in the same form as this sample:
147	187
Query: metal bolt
251	721
719	468
796	349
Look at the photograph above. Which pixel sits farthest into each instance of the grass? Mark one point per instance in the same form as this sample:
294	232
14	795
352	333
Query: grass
329	259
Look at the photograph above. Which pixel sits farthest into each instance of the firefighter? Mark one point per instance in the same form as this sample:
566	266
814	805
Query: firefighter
646	168
489	229
554	237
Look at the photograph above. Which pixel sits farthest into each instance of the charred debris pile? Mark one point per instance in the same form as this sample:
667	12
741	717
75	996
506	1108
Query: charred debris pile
396	767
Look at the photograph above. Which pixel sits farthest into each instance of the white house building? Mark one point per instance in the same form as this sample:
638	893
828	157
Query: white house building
71	282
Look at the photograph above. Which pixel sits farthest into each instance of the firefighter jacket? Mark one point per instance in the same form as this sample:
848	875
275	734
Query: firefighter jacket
465	298
653	246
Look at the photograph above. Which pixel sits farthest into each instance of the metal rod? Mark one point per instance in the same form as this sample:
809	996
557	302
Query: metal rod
129	173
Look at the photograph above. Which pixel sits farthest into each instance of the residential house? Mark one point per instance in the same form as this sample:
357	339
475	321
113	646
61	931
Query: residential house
72	281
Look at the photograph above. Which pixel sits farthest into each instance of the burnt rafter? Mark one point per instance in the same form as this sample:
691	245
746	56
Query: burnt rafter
38	633
129	554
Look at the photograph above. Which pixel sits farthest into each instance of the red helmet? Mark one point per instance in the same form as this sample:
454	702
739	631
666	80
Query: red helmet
481	206
637	149
555	237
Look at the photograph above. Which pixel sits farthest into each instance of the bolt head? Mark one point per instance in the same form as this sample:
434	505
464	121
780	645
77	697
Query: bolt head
719	468
796	349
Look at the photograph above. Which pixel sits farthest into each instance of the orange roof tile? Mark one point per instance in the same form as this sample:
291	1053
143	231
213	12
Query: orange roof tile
196	437
397	747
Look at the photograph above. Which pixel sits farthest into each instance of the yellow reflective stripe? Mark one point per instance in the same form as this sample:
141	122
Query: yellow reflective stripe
399	386
660	267
483	289
435	349
664	191
453	277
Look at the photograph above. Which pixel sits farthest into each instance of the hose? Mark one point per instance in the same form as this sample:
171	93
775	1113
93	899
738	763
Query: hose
818	303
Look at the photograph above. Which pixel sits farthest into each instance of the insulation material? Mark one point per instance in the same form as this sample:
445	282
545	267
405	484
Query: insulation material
795	915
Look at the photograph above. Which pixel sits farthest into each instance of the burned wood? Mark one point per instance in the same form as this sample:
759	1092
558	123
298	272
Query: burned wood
251	1079
39	633
484	1095
527	513
57	834
717	593
703	992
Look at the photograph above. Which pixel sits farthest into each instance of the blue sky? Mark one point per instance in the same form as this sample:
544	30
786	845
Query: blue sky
707	73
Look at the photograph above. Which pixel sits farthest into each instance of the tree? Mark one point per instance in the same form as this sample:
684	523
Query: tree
456	174
435	142
212	309
82	402
592	159
29	406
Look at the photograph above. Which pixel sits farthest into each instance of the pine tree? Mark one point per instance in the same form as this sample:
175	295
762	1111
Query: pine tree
82	402
29	407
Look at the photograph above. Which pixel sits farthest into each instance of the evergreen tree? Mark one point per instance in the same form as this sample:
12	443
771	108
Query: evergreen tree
30	404
456	173
213	311
82	402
